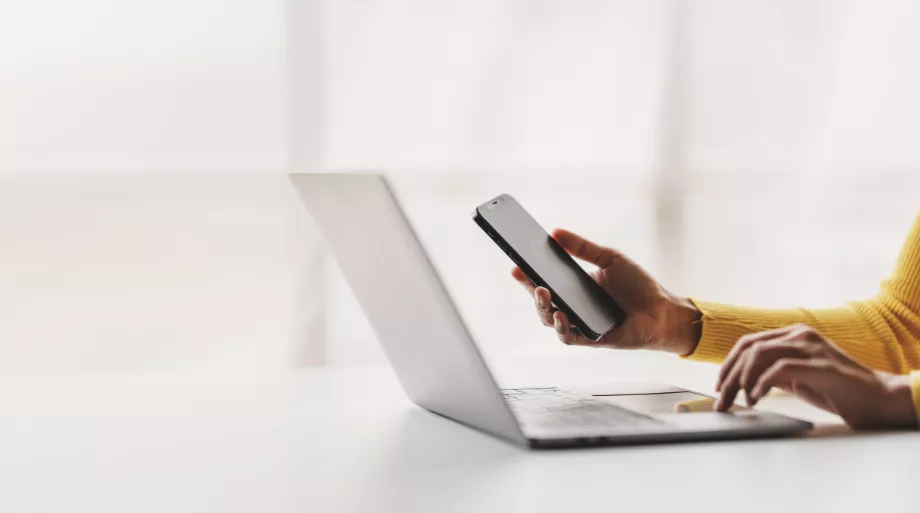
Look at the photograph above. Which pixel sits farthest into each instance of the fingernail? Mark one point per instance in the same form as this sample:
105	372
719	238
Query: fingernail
556	322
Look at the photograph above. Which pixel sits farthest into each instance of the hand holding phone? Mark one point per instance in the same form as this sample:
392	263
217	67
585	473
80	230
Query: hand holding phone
547	264
654	318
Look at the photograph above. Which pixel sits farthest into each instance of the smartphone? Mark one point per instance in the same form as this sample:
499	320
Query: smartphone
591	310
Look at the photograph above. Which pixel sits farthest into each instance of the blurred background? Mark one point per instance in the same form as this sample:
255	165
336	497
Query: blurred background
763	152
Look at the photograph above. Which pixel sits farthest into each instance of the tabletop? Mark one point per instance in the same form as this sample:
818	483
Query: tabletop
348	440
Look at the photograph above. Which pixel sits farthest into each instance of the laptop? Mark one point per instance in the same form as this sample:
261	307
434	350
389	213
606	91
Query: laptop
439	364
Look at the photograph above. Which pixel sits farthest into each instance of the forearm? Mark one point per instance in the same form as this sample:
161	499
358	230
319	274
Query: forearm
879	333
882	333
869	331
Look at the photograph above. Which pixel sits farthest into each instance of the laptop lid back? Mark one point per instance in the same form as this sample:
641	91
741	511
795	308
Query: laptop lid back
413	316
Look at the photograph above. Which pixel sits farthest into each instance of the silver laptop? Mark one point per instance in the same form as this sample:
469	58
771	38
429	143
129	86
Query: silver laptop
437	360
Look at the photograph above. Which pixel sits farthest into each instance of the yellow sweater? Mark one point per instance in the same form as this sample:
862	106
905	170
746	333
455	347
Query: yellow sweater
882	332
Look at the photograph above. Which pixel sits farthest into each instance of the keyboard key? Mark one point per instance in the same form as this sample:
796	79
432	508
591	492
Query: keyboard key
551	407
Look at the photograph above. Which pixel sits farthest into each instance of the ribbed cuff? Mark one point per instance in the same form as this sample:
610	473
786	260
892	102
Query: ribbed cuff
861	330
719	334
915	392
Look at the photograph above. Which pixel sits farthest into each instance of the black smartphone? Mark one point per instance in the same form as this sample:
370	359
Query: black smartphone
591	310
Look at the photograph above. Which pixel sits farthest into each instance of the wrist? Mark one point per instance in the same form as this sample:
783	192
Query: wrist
683	325
897	405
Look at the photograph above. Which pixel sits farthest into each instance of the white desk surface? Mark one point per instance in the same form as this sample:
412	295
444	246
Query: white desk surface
349	441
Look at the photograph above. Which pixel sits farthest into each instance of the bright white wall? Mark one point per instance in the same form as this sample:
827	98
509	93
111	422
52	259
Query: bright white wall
108	272
171	85
131	240
783	127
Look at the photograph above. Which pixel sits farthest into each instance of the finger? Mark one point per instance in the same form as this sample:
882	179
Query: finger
762	356
731	386
794	373
522	278
566	333
543	303
742	345
746	342
750	362
581	248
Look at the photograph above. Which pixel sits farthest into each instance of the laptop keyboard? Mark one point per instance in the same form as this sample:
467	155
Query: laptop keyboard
553	407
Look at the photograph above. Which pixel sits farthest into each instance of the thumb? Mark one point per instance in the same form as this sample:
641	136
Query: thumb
583	249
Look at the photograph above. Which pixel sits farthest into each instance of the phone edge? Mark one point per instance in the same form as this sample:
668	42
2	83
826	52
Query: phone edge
516	259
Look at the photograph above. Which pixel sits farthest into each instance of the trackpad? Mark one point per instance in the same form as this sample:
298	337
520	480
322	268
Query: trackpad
656	404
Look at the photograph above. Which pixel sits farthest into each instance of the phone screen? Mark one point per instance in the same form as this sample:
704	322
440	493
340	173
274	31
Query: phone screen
547	264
